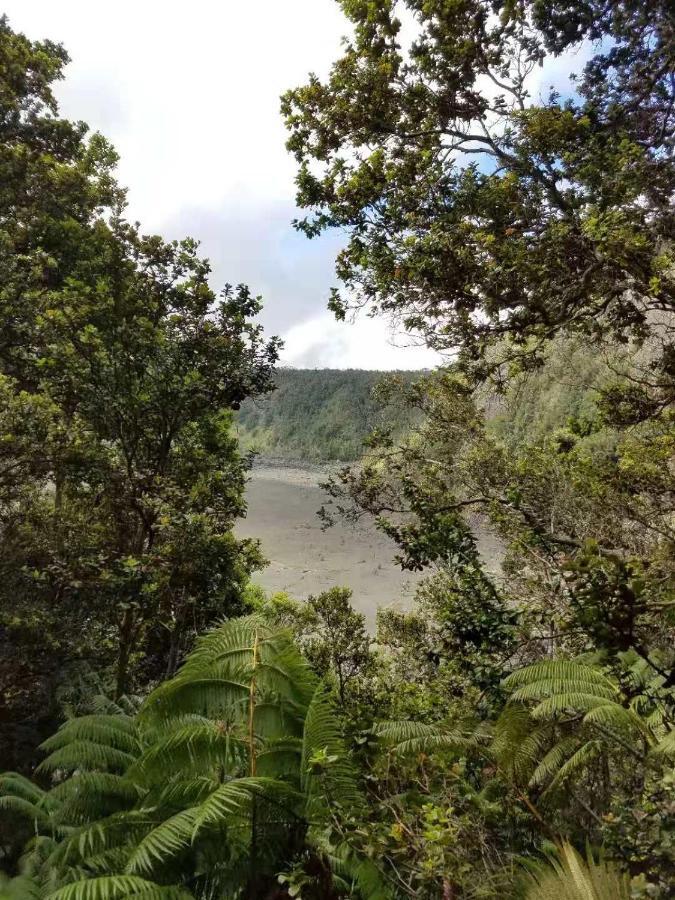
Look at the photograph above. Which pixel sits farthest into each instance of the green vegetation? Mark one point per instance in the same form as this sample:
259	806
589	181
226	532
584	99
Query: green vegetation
509	736
314	414
226	773
120	478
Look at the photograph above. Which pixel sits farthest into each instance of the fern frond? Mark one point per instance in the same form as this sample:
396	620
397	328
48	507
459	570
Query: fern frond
119	732
273	720
231	802
26	810
418	737
280	758
15	785
570	878
192	750
567	702
118	887
519	742
666	746
529	751
89	795
553	760
117	830
164	841
181	792
209	695
618	718
86	756
23	887
369	880
565	671
227	639
327	775
579	760
109	862
354	870
547	687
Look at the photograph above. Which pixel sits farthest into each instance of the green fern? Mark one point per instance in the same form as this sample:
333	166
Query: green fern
327	776
23	887
86	755
118	887
172	836
224	768
404	737
571	878
561	716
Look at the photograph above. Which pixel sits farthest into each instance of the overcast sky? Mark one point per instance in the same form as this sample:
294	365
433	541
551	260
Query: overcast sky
189	95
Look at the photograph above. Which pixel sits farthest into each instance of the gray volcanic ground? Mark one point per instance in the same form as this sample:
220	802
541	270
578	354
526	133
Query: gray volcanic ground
304	560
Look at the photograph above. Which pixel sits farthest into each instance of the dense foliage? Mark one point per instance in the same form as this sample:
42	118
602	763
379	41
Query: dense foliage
229	772
479	203
119	366
316	415
531	231
512	734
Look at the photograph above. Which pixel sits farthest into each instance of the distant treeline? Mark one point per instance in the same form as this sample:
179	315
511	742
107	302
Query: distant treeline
324	415
315	414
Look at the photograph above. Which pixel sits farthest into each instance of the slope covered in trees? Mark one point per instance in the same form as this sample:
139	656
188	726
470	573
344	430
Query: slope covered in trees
320	415
315	414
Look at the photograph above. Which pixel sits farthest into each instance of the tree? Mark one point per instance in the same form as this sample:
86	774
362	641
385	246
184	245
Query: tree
478	209
529	233
331	635
55	181
582	514
120	368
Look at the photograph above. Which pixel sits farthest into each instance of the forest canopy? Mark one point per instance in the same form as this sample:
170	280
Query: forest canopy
316	415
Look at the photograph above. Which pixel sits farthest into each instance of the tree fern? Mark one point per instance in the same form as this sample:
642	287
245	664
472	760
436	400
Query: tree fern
118	887
561	716
223	773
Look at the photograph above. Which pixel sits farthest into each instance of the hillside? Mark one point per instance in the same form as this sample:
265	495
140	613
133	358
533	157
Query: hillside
324	415
314	414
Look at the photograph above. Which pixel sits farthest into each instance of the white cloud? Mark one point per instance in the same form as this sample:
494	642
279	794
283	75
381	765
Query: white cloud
189	95
366	343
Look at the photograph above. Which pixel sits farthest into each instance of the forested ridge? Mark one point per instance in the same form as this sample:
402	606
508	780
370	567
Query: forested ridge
168	729
327	415
314	415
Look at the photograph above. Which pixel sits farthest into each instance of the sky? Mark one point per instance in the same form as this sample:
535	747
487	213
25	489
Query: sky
188	93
